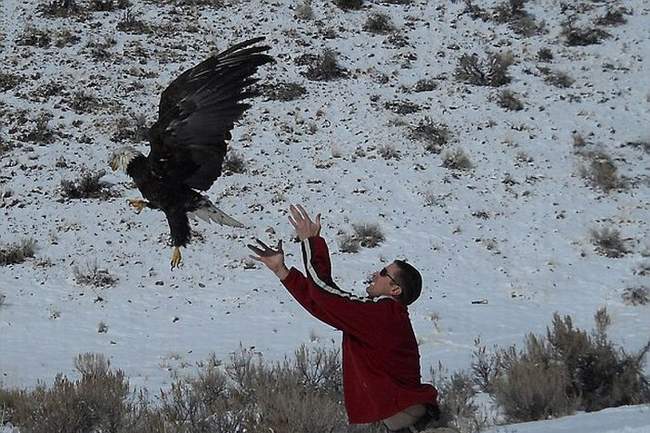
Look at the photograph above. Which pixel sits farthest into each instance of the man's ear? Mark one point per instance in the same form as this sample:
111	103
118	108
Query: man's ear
395	290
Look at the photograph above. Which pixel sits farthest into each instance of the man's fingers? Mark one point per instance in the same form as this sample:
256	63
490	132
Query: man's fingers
263	244
293	222
256	250
295	213
255	258
304	213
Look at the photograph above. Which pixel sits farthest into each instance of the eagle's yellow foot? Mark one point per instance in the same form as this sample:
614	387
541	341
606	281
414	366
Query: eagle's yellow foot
176	257
137	204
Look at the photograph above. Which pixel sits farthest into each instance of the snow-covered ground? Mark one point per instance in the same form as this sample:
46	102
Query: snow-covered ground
627	419
501	247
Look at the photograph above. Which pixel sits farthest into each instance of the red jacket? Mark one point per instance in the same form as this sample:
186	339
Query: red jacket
381	361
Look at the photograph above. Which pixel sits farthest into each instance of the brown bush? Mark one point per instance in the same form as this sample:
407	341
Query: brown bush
378	23
434	135
491	72
349	4
18	252
324	67
96	401
530	391
609	243
457	402
87	185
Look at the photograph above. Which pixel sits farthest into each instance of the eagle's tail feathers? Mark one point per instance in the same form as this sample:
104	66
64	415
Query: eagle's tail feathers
210	213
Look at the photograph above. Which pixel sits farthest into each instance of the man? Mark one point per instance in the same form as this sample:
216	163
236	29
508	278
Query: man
381	362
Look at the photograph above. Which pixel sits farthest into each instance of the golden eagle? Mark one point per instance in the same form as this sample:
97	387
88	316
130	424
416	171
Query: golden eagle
189	140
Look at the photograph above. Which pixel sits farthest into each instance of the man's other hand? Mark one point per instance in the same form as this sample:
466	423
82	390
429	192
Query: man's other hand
273	259
305	227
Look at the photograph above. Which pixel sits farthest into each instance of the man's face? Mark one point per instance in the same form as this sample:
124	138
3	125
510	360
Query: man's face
383	285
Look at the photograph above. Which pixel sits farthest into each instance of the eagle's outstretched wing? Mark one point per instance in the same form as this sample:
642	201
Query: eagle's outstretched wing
198	110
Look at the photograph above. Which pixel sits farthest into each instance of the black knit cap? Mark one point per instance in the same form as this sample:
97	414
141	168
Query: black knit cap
410	281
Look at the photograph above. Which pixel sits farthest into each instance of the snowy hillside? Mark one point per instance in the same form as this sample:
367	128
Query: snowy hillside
502	241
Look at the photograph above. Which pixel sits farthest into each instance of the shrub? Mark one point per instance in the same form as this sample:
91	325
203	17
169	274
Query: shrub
282	91
88	185
601	375
234	162
129	23
456	159
613	17
325	67
434	135
368	234
531	391
514	14
18	252
505	12
492	72
108	5
402	107
508	100
485	368
133	128
379	23
95	402
100	50
42	133
557	78
349	4
425	85
348	243
83	102
474	11
304	10
602	172
92	275
388	151
577	36
636	296
8	81
545	54
457	402
566	370
35	38
608	242
60	8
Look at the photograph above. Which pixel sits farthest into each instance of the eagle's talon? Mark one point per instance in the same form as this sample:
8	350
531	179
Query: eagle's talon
137	204
176	257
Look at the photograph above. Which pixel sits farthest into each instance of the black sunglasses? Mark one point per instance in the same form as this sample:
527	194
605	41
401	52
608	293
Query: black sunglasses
384	273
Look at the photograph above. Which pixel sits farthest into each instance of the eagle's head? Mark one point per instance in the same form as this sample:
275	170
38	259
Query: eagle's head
122	157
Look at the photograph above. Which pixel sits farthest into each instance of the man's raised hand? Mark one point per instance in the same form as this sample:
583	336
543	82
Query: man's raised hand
300	220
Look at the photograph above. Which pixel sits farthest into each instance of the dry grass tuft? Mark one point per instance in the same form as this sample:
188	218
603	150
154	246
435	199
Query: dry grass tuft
87	185
18	252
456	159
491	72
92	275
609	243
379	23
324	67
636	295
433	135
